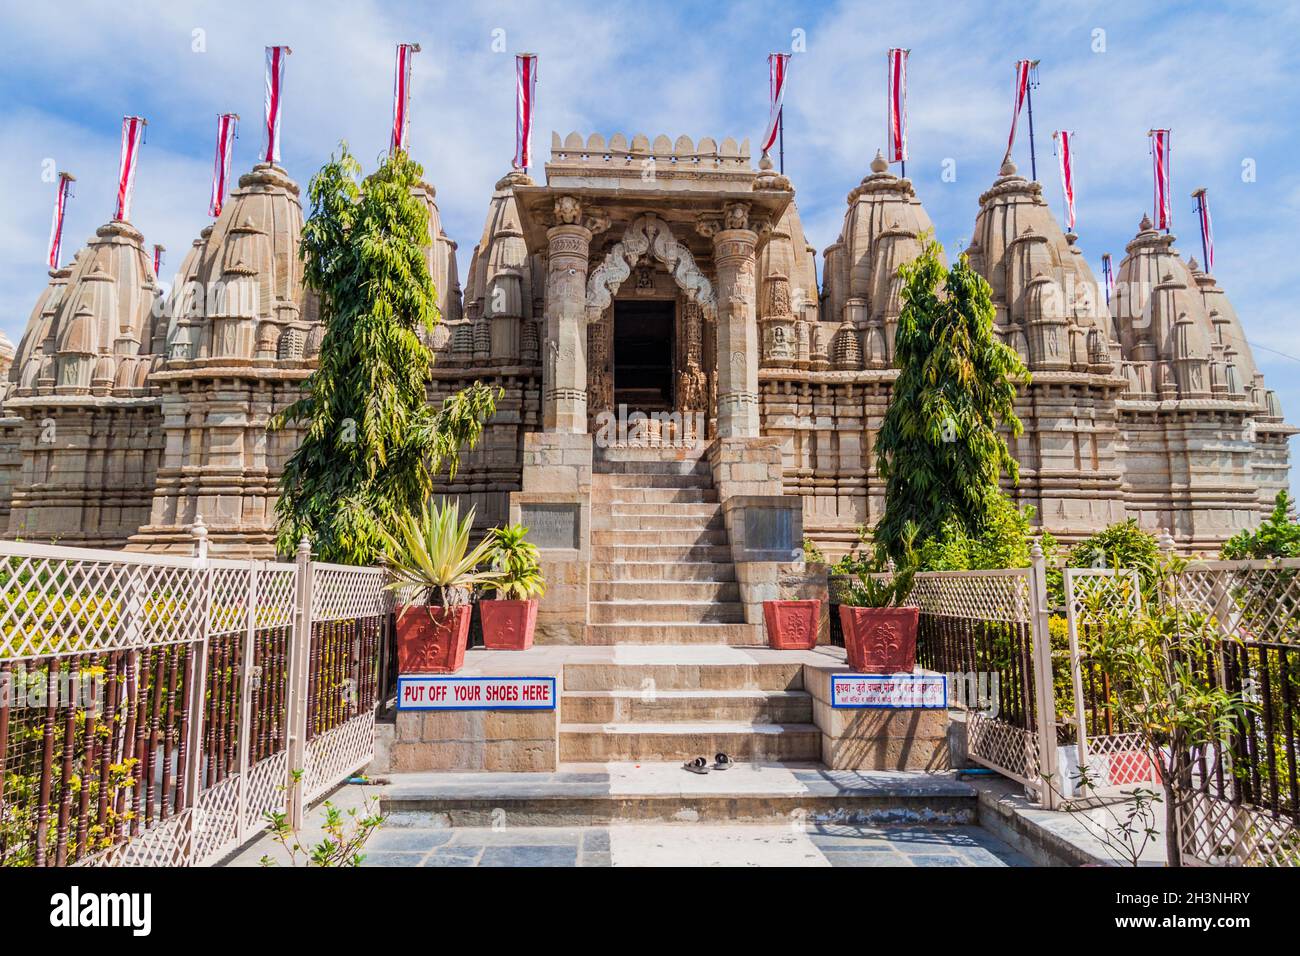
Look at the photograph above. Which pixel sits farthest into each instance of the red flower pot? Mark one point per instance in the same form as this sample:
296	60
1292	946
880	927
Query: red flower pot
880	640
431	639
792	625
508	625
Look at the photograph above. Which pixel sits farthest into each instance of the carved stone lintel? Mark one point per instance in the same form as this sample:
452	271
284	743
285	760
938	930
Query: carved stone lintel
650	236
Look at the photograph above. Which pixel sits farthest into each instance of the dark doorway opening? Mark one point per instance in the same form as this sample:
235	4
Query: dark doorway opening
643	355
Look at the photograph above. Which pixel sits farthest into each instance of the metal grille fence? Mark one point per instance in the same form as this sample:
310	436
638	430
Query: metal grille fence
1240	802
153	706
987	629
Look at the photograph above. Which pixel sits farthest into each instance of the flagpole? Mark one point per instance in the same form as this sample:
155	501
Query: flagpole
780	133
1199	195
1029	104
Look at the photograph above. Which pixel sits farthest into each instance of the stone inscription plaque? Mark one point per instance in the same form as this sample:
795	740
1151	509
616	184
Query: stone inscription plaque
551	525
769	529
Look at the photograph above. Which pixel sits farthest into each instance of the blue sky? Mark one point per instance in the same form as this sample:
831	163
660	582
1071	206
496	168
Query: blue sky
1225	83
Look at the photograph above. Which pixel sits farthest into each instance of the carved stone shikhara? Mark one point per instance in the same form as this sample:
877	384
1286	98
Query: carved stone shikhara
159	409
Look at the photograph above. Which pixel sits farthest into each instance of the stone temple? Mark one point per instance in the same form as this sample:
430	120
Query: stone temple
654	316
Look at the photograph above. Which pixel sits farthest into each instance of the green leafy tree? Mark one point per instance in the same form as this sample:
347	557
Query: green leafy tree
1122	545
1277	537
371	444
940	451
1004	542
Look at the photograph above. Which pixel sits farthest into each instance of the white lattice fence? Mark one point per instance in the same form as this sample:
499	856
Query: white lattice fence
1109	757
1217	832
166	729
988	625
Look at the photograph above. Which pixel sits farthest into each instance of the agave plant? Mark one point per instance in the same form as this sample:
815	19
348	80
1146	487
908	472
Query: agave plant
879	583
430	551
516	562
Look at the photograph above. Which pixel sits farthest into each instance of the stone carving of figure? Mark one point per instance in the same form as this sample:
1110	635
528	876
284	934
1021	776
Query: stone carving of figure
736	215
568	211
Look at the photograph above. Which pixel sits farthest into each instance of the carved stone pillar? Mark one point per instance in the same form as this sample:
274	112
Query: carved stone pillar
600	372
564	398
737	351
692	384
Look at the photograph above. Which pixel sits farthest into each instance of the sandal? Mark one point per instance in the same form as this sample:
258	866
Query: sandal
723	762
698	765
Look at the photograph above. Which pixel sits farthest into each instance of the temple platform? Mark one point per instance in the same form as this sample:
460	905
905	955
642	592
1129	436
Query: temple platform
630	704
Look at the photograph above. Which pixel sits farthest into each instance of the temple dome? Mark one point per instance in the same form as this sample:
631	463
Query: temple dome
504	282
245	273
93	314
787	266
440	256
882	230
1042	286
1162	324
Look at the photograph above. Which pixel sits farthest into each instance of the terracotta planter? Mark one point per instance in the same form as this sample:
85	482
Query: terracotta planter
792	625
431	639
508	625
880	640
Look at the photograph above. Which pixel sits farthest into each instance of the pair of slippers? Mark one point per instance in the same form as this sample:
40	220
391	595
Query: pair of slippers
701	765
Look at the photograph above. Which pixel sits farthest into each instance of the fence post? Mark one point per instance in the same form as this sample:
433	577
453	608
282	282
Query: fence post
1044	693
250	673
196	692
296	713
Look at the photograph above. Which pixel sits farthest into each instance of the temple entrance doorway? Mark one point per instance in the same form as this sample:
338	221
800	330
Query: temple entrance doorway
644	346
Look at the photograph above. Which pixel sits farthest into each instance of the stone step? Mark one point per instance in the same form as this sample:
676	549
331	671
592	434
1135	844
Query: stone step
642	553
661	452
609	495
639	538
662	706
676	676
707	572
641	611
616	482
737	635
724	591
682	741
672	467
674	510
609	793
661	522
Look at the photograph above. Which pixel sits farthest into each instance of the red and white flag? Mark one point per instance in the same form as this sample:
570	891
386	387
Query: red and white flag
777	66
1160	177
1065	152
525	96
157	259
402	96
56	227
275	57
132	137
226	124
1021	88
898	105
1207	229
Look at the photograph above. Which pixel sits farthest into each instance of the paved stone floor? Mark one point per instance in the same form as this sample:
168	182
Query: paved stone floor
691	845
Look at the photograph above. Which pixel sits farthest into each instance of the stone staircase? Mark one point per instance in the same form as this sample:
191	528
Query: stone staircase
661	569
669	711
662	574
